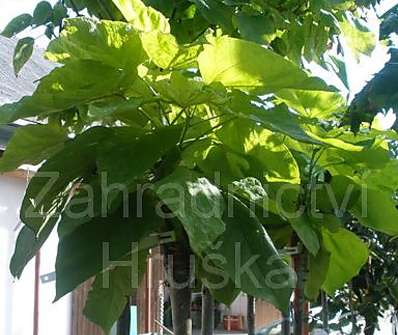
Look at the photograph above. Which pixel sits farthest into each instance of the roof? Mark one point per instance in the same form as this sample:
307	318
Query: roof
13	88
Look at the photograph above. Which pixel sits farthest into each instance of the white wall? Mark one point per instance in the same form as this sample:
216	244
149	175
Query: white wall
16	296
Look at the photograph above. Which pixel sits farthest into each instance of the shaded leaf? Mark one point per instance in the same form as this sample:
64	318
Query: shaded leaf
107	299
27	246
81	253
216	12
251	260
197	203
17	24
126	155
318	269
305	230
49	188
22	53
42	13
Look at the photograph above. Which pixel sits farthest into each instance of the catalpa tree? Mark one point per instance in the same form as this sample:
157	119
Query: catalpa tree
229	145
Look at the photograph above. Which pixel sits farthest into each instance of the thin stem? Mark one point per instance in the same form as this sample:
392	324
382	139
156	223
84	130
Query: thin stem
186	127
147	116
164	115
178	116
208	119
207	132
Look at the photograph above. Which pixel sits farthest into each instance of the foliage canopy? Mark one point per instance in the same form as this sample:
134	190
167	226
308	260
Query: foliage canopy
169	95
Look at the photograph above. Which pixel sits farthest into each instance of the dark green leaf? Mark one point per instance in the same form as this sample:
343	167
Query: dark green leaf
27	246
197	203
222	286
17	24
48	189
81	253
302	225
216	13
22	53
107	299
125	156
251	260
42	13
59	13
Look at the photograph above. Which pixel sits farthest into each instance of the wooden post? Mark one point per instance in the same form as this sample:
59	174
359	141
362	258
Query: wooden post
300	305
207	312
177	261
251	315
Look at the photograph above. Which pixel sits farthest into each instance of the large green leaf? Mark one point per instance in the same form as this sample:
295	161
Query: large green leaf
230	165
185	92
165	52
257	28
347	255
80	253
304	228
246	65
377	210
336	197
126	155
31	145
48	189
319	104
107	299
317	271
23	51
88	201
265	150
143	18
66	87
222	287
250	258
161	48
280	119
27	246
197	203
111	43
